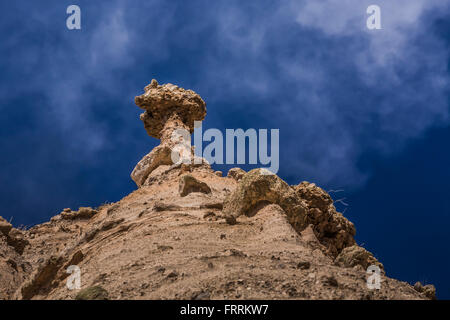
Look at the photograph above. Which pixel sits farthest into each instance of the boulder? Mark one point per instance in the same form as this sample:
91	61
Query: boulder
356	255
428	290
160	102
236	173
257	188
92	293
16	239
160	155
5	226
331	227
82	213
189	184
314	196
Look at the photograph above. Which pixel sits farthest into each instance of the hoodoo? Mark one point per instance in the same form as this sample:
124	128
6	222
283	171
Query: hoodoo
188	232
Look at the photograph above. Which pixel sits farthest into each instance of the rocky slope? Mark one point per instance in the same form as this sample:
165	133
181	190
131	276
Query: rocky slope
187	232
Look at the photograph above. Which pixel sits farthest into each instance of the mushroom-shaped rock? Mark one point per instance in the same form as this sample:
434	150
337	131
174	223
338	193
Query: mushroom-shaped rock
258	187
160	102
168	108
188	184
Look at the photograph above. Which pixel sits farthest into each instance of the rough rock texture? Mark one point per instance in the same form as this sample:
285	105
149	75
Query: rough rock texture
429	290
236	173
14	269
12	236
155	244
285	242
304	205
161	155
190	184
331	227
82	213
92	293
160	102
5	226
356	255
258	188
16	240
42	280
169	109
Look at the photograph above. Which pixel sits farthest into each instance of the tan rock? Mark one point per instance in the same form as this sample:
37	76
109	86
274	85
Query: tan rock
82	213
16	239
309	236
356	255
155	245
92	293
42	279
331	227
236	173
168	108
314	196
428	290
188	184
257	188
5	226
160	102
86	213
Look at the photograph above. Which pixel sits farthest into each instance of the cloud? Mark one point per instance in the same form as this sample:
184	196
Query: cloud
334	88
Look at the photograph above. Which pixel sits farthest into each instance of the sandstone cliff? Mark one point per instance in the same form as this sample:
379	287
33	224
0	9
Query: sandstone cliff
187	232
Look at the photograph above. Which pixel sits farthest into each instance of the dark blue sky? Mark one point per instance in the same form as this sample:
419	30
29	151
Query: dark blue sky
359	110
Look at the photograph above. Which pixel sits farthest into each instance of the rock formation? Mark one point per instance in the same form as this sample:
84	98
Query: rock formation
190	184
167	108
189	233
331	227
256	189
236	173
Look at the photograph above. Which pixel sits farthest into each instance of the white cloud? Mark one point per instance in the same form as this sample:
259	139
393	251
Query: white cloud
402	67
